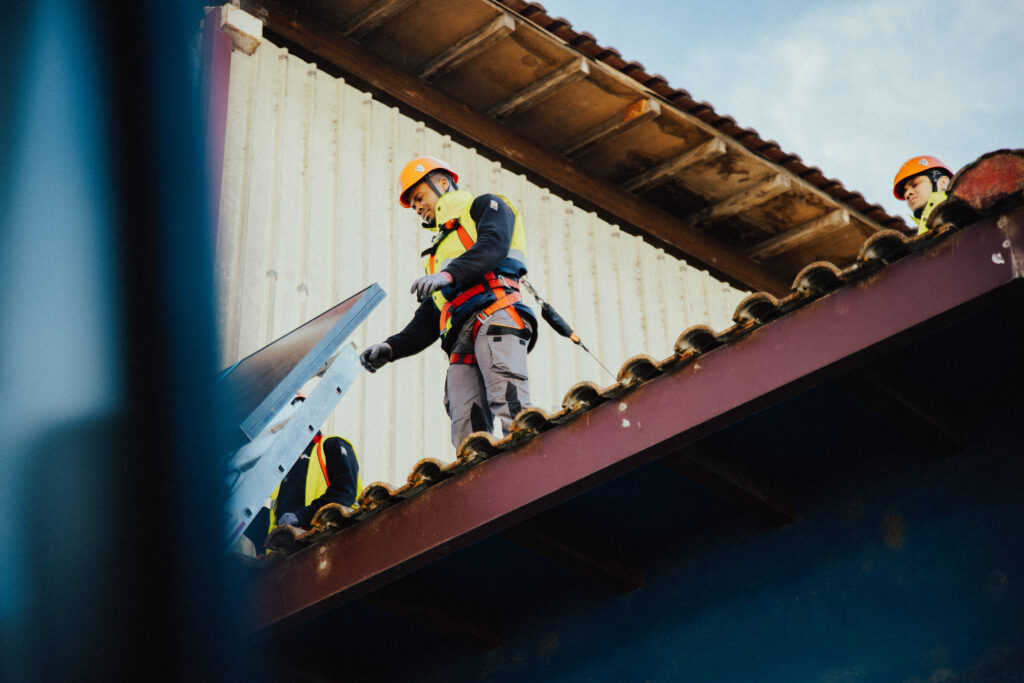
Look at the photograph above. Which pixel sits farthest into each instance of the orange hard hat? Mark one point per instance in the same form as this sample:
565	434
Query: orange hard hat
915	166
415	171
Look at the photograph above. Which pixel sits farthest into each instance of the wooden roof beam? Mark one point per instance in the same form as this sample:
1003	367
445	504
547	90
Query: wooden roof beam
713	148
493	138
632	116
733	481
365	23
448	614
542	89
881	388
468	47
735	204
783	242
549	536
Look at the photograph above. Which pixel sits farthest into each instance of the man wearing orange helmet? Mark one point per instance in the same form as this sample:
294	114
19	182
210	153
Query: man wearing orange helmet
469	296
922	182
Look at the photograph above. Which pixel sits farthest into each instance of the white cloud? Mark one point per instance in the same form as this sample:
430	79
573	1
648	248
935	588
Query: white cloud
856	89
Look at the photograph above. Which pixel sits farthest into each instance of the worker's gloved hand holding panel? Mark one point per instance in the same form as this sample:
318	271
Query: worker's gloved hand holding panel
376	356
287	519
428	284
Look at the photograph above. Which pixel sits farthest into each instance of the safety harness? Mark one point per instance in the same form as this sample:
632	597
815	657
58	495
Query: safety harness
505	290
319	440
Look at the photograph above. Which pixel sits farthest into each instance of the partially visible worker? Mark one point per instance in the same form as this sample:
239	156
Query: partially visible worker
922	182
469	298
327	471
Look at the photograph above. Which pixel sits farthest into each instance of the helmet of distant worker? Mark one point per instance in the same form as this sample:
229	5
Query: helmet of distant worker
918	178
922	182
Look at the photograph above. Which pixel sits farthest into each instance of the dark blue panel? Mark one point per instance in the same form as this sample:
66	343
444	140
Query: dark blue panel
261	384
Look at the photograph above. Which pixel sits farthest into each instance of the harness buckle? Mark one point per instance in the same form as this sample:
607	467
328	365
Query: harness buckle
508	283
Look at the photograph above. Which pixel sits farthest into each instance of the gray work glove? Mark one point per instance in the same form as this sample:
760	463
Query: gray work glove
287	519
376	356
428	284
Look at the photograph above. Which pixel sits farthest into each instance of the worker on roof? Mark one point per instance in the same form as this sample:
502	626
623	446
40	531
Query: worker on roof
922	182
469	297
327	471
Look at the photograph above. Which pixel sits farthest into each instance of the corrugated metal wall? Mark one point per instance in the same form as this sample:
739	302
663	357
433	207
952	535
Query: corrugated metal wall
308	217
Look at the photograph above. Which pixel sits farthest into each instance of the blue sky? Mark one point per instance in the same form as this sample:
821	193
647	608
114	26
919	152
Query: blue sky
854	88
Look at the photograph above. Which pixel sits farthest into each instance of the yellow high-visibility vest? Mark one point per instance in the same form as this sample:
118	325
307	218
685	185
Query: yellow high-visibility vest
934	200
317	480
457	234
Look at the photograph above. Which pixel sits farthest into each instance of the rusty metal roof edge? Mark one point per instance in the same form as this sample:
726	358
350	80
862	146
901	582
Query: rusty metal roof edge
748	138
940	271
757	309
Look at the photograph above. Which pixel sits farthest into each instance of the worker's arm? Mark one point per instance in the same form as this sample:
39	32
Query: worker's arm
494	223
342	471
421	332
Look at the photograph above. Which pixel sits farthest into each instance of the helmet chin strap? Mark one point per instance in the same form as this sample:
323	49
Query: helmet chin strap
935	175
429	180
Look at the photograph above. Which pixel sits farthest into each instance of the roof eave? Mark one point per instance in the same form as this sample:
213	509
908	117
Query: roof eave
825	338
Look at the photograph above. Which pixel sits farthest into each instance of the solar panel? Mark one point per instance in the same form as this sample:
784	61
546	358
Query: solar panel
260	385
271	433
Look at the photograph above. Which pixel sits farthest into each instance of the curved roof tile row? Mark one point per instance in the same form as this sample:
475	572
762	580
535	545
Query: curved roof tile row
748	137
760	308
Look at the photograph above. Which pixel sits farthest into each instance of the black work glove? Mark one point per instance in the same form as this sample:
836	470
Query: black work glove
428	284
376	356
287	519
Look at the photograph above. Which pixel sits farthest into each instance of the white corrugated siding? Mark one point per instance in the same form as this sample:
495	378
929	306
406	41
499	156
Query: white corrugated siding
309	217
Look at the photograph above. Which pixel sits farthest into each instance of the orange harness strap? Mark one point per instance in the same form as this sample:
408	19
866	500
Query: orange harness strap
464	237
505	302
319	440
497	284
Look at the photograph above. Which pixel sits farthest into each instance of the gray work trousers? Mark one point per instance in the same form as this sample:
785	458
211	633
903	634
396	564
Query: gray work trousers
496	386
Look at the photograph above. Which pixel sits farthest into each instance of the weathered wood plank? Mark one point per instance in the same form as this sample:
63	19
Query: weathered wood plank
706	151
632	116
539	90
800	235
375	15
761	193
468	47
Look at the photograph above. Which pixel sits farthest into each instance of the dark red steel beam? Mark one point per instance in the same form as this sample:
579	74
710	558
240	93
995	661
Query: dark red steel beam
824	339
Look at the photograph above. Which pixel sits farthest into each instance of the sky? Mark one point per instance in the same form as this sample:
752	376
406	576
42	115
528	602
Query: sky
855	88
